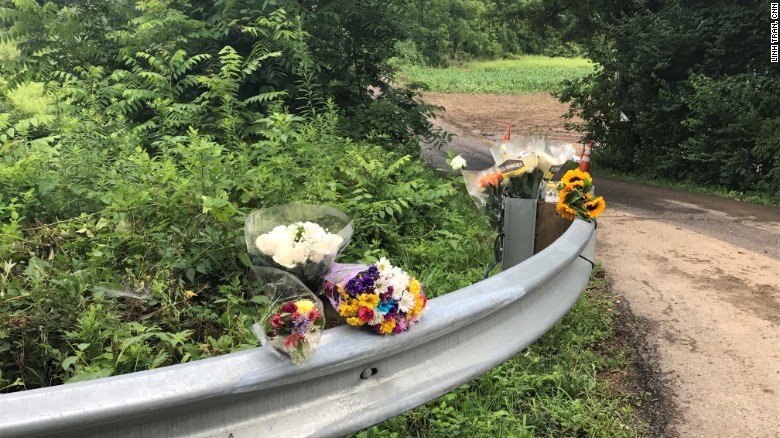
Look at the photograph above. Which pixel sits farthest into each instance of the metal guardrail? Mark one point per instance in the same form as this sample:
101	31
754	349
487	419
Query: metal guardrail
356	379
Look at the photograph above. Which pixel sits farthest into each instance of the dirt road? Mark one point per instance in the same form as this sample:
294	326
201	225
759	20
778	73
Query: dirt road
701	276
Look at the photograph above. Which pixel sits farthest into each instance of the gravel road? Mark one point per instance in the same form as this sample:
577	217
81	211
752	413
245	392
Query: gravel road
698	279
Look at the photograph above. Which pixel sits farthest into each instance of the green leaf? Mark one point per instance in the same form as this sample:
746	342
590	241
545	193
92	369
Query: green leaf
69	361
90	375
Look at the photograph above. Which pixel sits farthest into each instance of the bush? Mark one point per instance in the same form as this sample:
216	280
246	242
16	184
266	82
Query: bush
115	258
694	81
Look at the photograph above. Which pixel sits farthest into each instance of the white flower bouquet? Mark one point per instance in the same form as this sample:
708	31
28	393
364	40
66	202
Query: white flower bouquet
299	238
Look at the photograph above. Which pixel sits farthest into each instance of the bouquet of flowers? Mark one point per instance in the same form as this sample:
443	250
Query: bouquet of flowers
575	199
299	238
522	164
380	296
486	190
294	321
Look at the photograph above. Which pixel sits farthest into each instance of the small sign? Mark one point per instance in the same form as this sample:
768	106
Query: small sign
510	168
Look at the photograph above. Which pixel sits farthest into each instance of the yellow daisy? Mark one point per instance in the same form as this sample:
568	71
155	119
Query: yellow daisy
387	327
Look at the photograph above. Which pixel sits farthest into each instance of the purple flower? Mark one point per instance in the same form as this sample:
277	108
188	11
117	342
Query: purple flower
302	326
359	285
401	323
373	272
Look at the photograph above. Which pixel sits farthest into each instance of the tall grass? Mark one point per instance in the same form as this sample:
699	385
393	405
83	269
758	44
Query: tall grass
525	74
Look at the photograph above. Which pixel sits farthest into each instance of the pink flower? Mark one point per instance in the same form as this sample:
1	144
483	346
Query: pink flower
277	321
365	314
293	340
289	307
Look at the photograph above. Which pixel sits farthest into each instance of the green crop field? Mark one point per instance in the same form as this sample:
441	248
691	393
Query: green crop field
525	74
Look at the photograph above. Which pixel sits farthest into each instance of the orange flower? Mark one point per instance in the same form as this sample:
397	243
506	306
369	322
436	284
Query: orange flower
492	179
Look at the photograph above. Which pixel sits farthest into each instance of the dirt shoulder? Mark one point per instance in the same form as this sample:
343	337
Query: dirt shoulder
712	313
700	278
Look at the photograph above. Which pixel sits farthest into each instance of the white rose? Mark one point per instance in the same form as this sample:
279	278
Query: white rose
283	256
298	253
458	163
269	242
333	244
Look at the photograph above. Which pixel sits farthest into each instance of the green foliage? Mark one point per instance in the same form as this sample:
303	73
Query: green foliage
565	384
122	248
526	74
166	64
694	80
445	32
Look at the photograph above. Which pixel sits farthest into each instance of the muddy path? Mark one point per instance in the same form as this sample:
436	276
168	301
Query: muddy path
697	277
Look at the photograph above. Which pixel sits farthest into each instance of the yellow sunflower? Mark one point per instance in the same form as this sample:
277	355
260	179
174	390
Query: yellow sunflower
575	179
565	211
563	192
595	207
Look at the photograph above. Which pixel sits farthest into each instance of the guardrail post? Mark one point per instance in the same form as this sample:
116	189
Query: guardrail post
519	228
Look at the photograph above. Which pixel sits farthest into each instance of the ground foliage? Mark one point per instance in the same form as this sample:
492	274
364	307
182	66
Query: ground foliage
125	183
695	81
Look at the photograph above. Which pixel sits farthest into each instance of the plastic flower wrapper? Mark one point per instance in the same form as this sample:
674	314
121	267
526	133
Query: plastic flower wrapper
485	189
552	156
301	239
528	160
517	161
294	321
575	199
380	296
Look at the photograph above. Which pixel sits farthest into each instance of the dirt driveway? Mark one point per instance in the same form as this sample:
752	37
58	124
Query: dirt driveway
701	276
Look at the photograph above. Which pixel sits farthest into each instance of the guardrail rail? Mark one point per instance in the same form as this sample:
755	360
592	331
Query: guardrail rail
356	379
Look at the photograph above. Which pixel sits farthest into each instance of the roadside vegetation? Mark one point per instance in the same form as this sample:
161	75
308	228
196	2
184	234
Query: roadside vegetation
574	381
519	75
135	137
130	159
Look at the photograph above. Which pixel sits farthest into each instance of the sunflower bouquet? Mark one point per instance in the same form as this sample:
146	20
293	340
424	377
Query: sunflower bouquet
380	296
575	198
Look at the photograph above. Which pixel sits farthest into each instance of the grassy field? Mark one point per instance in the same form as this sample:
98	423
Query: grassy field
567	384
525	74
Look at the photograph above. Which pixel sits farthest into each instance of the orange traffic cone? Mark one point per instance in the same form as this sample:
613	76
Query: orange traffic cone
507	133
585	157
